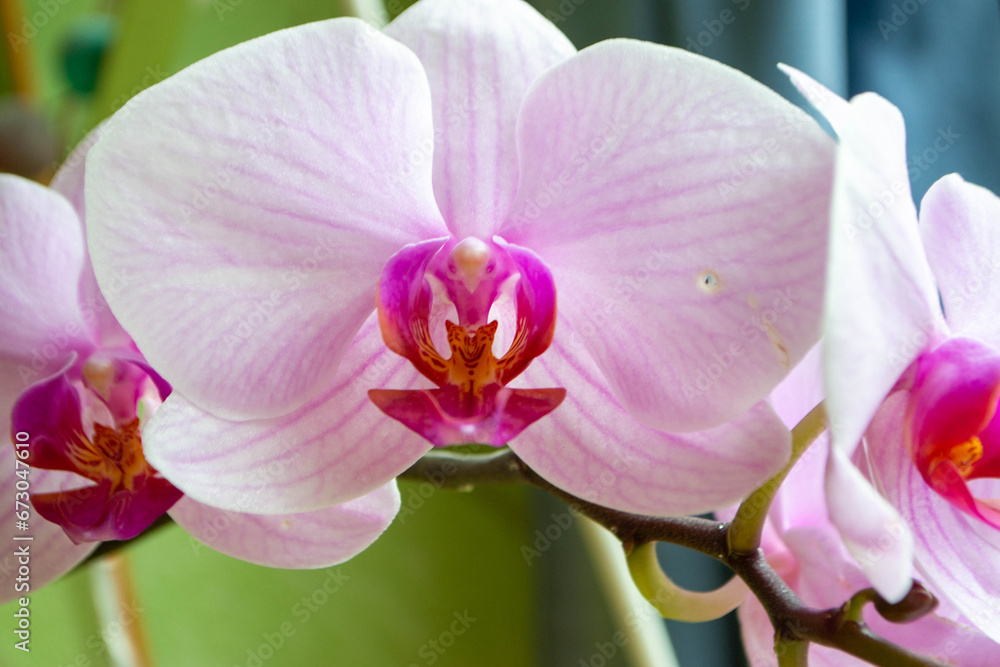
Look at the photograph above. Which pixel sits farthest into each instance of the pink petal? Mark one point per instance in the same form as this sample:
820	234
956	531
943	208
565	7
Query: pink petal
239	213
801	390
50	412
11	387
432	413
332	450
696	286
41	256
960	225
833	107
957	553
69	182
881	305
480	57
52	553
591	447
93	513
877	537
302	541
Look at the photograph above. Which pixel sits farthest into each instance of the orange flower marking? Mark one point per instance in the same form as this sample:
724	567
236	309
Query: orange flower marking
113	455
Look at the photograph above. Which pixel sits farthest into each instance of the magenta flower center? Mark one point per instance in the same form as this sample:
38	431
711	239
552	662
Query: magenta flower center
125	494
420	288
952	428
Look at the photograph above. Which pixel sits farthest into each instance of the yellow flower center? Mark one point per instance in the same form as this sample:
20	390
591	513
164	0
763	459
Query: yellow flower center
965	455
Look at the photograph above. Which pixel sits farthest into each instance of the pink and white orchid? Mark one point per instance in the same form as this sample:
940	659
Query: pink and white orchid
74	390
912	354
329	225
805	549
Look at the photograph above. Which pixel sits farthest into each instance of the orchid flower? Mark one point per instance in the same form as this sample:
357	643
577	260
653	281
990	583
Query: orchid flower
346	247
912	356
805	549
74	390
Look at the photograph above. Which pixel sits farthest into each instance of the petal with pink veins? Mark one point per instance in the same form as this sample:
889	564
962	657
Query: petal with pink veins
591	447
334	449
675	266
956	552
960	225
877	537
480	56
309	540
41	257
243	259
881	306
69	182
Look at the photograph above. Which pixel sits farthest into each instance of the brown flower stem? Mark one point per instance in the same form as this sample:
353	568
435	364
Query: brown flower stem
795	623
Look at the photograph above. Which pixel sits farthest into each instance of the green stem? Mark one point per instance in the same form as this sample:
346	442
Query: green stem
791	652
677	603
747	526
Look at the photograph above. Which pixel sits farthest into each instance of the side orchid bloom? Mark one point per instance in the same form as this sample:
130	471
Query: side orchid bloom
348	247
806	550
75	390
912	357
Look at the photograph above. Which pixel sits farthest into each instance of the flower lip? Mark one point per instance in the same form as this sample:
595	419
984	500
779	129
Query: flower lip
950	426
472	403
84	420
